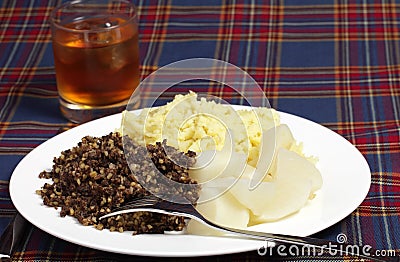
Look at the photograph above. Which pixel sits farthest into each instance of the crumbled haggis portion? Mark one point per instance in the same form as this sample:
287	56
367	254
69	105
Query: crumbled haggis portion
93	177
156	162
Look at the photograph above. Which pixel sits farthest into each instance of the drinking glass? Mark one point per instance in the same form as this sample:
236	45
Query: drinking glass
96	57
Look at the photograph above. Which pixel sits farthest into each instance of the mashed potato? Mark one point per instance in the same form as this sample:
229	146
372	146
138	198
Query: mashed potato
287	179
189	123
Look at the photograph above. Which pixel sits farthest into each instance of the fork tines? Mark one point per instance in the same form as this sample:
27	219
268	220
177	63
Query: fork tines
138	202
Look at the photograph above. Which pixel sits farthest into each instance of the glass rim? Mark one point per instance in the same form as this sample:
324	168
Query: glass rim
58	25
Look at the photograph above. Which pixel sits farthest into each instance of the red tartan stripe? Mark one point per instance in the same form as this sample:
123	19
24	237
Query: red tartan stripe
318	91
366	128
369	125
308	90
343	70
384	32
28	131
353	11
377	211
31	125
37	36
22	11
21	137
6	207
14	74
33	22
296	9
30	128
389	182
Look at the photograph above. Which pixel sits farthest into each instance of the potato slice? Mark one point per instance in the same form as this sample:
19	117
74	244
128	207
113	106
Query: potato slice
292	164
212	164
272	141
284	137
256	200
272	200
290	196
196	228
224	210
288	184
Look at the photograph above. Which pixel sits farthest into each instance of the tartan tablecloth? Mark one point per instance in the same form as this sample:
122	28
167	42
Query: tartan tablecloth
332	61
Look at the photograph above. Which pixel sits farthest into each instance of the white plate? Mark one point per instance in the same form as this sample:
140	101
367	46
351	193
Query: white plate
346	178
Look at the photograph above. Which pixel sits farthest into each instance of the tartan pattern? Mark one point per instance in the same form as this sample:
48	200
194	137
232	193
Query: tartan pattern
334	62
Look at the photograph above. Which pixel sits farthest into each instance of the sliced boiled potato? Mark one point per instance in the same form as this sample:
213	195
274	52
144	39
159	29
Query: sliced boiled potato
224	210
248	172
196	228
212	164
265	157
284	137
215	188
284	185
291	164
272	200
256	200
290	196
272	140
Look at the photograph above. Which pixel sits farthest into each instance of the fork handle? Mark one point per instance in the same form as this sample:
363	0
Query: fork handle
320	244
190	211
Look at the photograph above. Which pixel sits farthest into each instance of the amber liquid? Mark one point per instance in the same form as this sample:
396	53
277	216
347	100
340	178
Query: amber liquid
97	68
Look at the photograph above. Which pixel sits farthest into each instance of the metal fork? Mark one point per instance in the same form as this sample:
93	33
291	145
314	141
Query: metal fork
154	204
